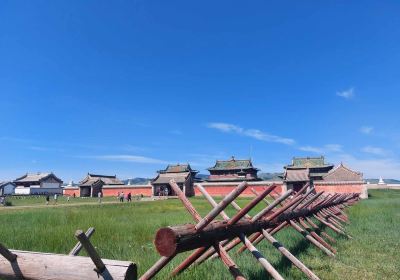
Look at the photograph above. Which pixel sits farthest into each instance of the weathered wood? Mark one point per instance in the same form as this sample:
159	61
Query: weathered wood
173	240
228	262
285	252
221	206
78	247
91	251
242	212
152	271
46	266
7	254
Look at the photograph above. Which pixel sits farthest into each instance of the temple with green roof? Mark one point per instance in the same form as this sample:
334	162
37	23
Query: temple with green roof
233	170
304	170
182	174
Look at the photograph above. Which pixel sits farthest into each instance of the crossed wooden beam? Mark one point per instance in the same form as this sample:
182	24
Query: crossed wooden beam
213	238
46	266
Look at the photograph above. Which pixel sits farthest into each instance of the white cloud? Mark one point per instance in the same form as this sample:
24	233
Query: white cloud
253	133
322	150
128	158
366	129
347	94
372	168
374	150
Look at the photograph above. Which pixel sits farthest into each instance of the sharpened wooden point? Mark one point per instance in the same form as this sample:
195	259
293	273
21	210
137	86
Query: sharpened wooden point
7	254
81	236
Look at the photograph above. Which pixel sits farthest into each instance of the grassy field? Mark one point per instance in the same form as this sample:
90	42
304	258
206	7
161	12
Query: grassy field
40	200
126	231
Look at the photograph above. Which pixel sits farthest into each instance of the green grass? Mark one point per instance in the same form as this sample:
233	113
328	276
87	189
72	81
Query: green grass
40	200
126	231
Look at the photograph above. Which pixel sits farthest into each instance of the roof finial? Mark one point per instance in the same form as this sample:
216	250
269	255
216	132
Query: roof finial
233	158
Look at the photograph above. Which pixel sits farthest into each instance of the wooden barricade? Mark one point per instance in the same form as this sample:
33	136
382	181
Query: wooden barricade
46	266
211	238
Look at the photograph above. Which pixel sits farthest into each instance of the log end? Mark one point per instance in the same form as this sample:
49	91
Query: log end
165	242
131	272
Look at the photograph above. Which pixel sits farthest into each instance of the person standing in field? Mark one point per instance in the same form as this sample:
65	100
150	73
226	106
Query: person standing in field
99	195
129	197
121	197
55	199
47	199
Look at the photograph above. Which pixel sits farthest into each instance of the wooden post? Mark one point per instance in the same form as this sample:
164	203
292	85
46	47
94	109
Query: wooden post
78	247
100	266
289	255
228	262
263	261
7	254
46	266
221	206
152	271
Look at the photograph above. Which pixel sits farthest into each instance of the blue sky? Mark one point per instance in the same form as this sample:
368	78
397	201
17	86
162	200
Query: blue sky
126	87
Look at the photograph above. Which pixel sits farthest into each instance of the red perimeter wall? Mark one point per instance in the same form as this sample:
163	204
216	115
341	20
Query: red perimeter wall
144	190
340	187
222	189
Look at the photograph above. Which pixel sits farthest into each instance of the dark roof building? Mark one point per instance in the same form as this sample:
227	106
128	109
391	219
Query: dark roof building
233	170
43	180
7	188
92	184
182	174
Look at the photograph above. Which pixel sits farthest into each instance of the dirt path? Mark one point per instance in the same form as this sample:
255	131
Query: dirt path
3	208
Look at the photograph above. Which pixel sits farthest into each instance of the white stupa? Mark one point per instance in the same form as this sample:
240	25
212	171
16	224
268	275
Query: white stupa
70	184
129	182
381	182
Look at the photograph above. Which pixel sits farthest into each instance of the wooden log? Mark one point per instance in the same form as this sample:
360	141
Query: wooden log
46	266
78	247
228	262
173	240
242	212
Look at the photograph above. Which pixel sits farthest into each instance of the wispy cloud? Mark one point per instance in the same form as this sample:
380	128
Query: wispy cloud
375	150
366	129
253	133
372	168
322	150
127	158
44	149
347	94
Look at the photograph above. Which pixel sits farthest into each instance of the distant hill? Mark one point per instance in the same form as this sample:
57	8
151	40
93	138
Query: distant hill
270	176
202	176
387	181
137	181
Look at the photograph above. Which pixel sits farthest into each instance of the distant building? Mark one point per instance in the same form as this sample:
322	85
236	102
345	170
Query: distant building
92	184
38	183
7	188
183	175
342	173
233	170
381	181
304	170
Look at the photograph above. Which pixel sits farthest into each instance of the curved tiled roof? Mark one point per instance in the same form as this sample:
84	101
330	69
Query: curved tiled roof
232	164
341	174
36	177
